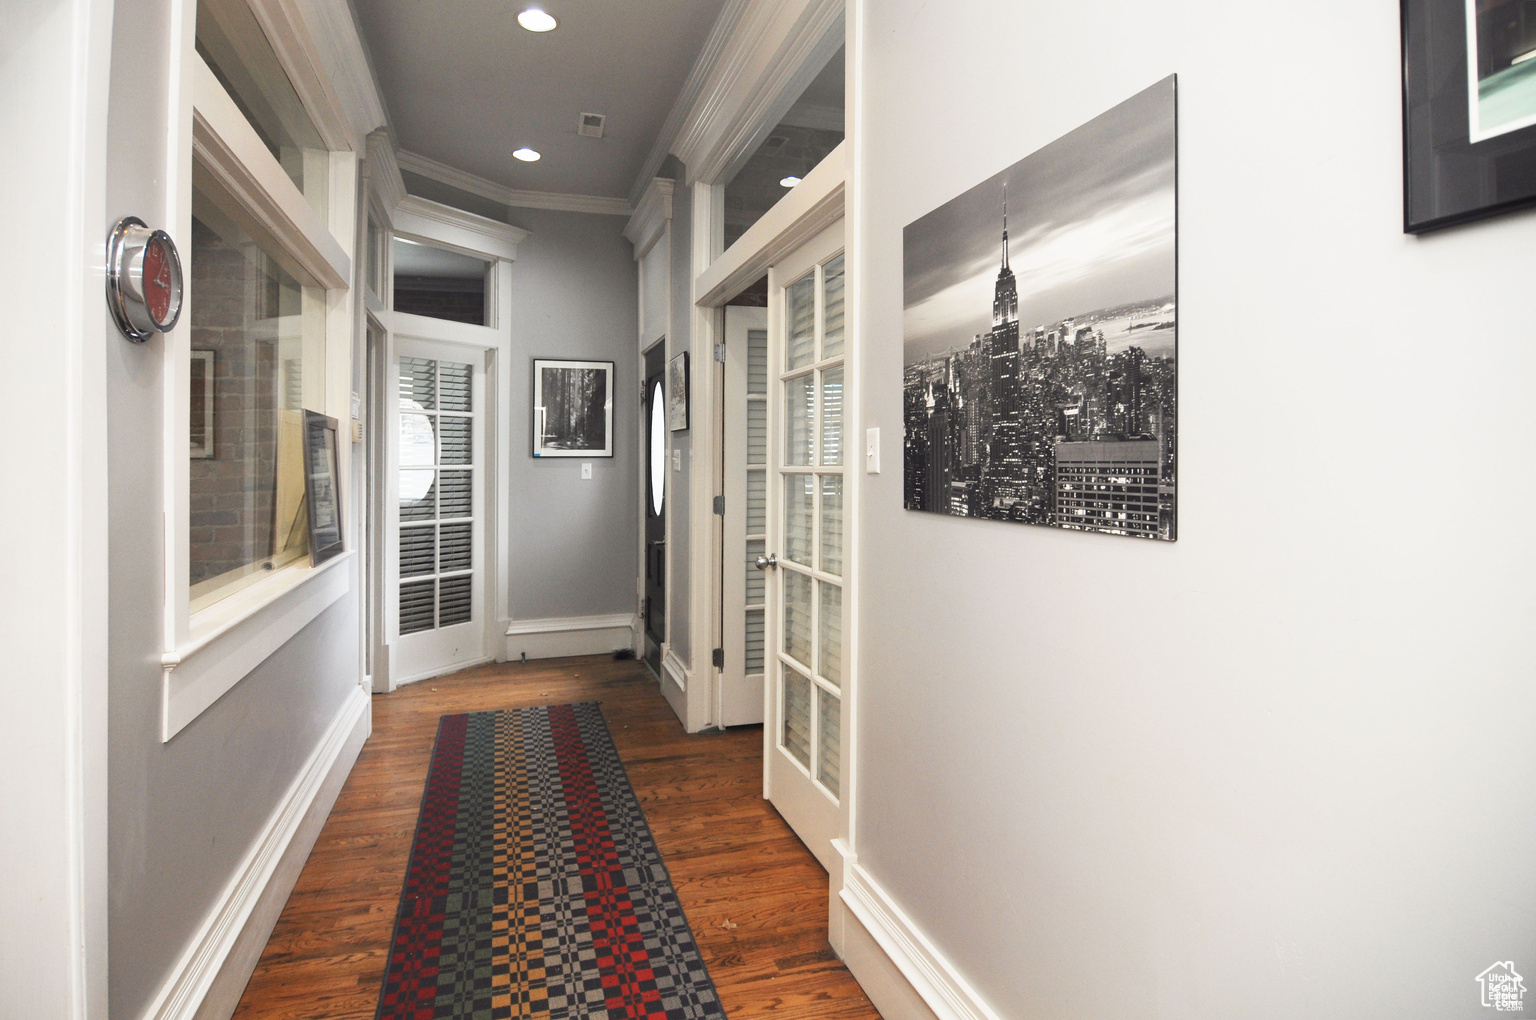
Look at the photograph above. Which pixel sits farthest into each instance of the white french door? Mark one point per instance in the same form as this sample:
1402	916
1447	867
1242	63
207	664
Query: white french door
746	515
436	605
803	731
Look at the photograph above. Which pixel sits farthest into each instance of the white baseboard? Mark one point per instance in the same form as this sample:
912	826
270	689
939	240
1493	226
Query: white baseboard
570	635
674	670
208	980
903	974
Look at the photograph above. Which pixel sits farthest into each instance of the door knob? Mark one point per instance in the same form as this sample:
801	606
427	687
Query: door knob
768	562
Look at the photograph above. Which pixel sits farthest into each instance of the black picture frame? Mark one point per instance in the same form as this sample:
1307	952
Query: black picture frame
322	487
1457	168
572	408
677	393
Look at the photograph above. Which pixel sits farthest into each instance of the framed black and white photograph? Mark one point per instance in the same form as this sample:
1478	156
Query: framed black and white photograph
572	408
1040	335
322	487
201	420
1469	110
677	393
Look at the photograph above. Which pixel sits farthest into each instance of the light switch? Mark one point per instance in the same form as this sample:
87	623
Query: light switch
872	451
586	472
677	460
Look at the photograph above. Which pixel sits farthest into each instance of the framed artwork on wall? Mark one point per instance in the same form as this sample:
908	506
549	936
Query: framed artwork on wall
202	404
322	487
572	408
1040	377
677	393
1469	110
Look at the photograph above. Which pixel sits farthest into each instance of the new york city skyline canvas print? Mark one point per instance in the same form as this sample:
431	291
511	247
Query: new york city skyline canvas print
1040	335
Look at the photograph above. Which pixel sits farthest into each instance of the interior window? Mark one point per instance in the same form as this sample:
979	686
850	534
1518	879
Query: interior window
235	48
812	128
440	283
258	359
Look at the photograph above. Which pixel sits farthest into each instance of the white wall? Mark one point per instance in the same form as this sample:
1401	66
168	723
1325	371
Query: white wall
1283	767
53	610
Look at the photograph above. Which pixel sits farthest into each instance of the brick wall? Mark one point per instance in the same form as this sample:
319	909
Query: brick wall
232	493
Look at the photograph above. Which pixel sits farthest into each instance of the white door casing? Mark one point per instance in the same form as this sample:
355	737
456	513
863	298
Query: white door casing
803	733
746	519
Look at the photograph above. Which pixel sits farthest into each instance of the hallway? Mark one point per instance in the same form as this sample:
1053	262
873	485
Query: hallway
732	858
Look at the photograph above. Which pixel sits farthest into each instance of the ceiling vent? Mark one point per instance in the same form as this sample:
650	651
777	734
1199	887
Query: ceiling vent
590	125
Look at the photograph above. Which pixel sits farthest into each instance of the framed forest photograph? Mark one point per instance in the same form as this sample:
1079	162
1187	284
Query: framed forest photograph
572	408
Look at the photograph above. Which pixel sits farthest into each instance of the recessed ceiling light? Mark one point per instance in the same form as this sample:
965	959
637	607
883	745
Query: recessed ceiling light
790	181
526	154
535	20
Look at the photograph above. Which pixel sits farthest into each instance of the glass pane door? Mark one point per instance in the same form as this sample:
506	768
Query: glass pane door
805	745
437	493
439	518
811	470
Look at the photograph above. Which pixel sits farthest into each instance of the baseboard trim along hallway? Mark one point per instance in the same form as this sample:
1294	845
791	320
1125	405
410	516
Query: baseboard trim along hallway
207	981
556	637
902	972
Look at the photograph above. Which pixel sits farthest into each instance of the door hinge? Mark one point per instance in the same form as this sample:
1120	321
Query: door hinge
718	658
720	506
720	353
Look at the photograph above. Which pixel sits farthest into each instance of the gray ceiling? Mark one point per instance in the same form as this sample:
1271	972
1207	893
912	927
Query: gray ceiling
465	85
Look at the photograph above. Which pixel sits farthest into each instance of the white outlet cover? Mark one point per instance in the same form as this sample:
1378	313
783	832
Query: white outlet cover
872	451
677	460
586	472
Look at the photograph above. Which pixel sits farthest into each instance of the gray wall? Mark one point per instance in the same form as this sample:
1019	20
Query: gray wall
182	814
679	339
1283	767
574	295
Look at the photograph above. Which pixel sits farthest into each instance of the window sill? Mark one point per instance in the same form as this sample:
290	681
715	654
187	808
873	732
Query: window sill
235	635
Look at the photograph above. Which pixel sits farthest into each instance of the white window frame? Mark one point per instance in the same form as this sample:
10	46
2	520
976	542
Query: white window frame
208	652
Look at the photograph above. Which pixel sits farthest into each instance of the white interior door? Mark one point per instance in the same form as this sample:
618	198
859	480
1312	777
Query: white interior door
746	514
803	732
437	607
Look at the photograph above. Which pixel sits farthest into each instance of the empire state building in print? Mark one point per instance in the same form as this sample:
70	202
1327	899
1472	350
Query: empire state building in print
1072	422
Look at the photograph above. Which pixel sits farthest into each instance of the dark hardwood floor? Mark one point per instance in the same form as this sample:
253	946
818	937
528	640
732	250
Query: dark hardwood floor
756	898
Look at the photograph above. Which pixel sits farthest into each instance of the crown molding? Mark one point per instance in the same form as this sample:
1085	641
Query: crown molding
773	52
652	213
343	56
384	171
720	35
432	221
431	169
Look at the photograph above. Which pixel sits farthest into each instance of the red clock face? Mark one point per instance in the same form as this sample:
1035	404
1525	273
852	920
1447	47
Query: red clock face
159	285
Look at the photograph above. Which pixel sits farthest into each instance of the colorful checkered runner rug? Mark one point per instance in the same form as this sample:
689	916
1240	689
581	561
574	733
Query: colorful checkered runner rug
535	888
